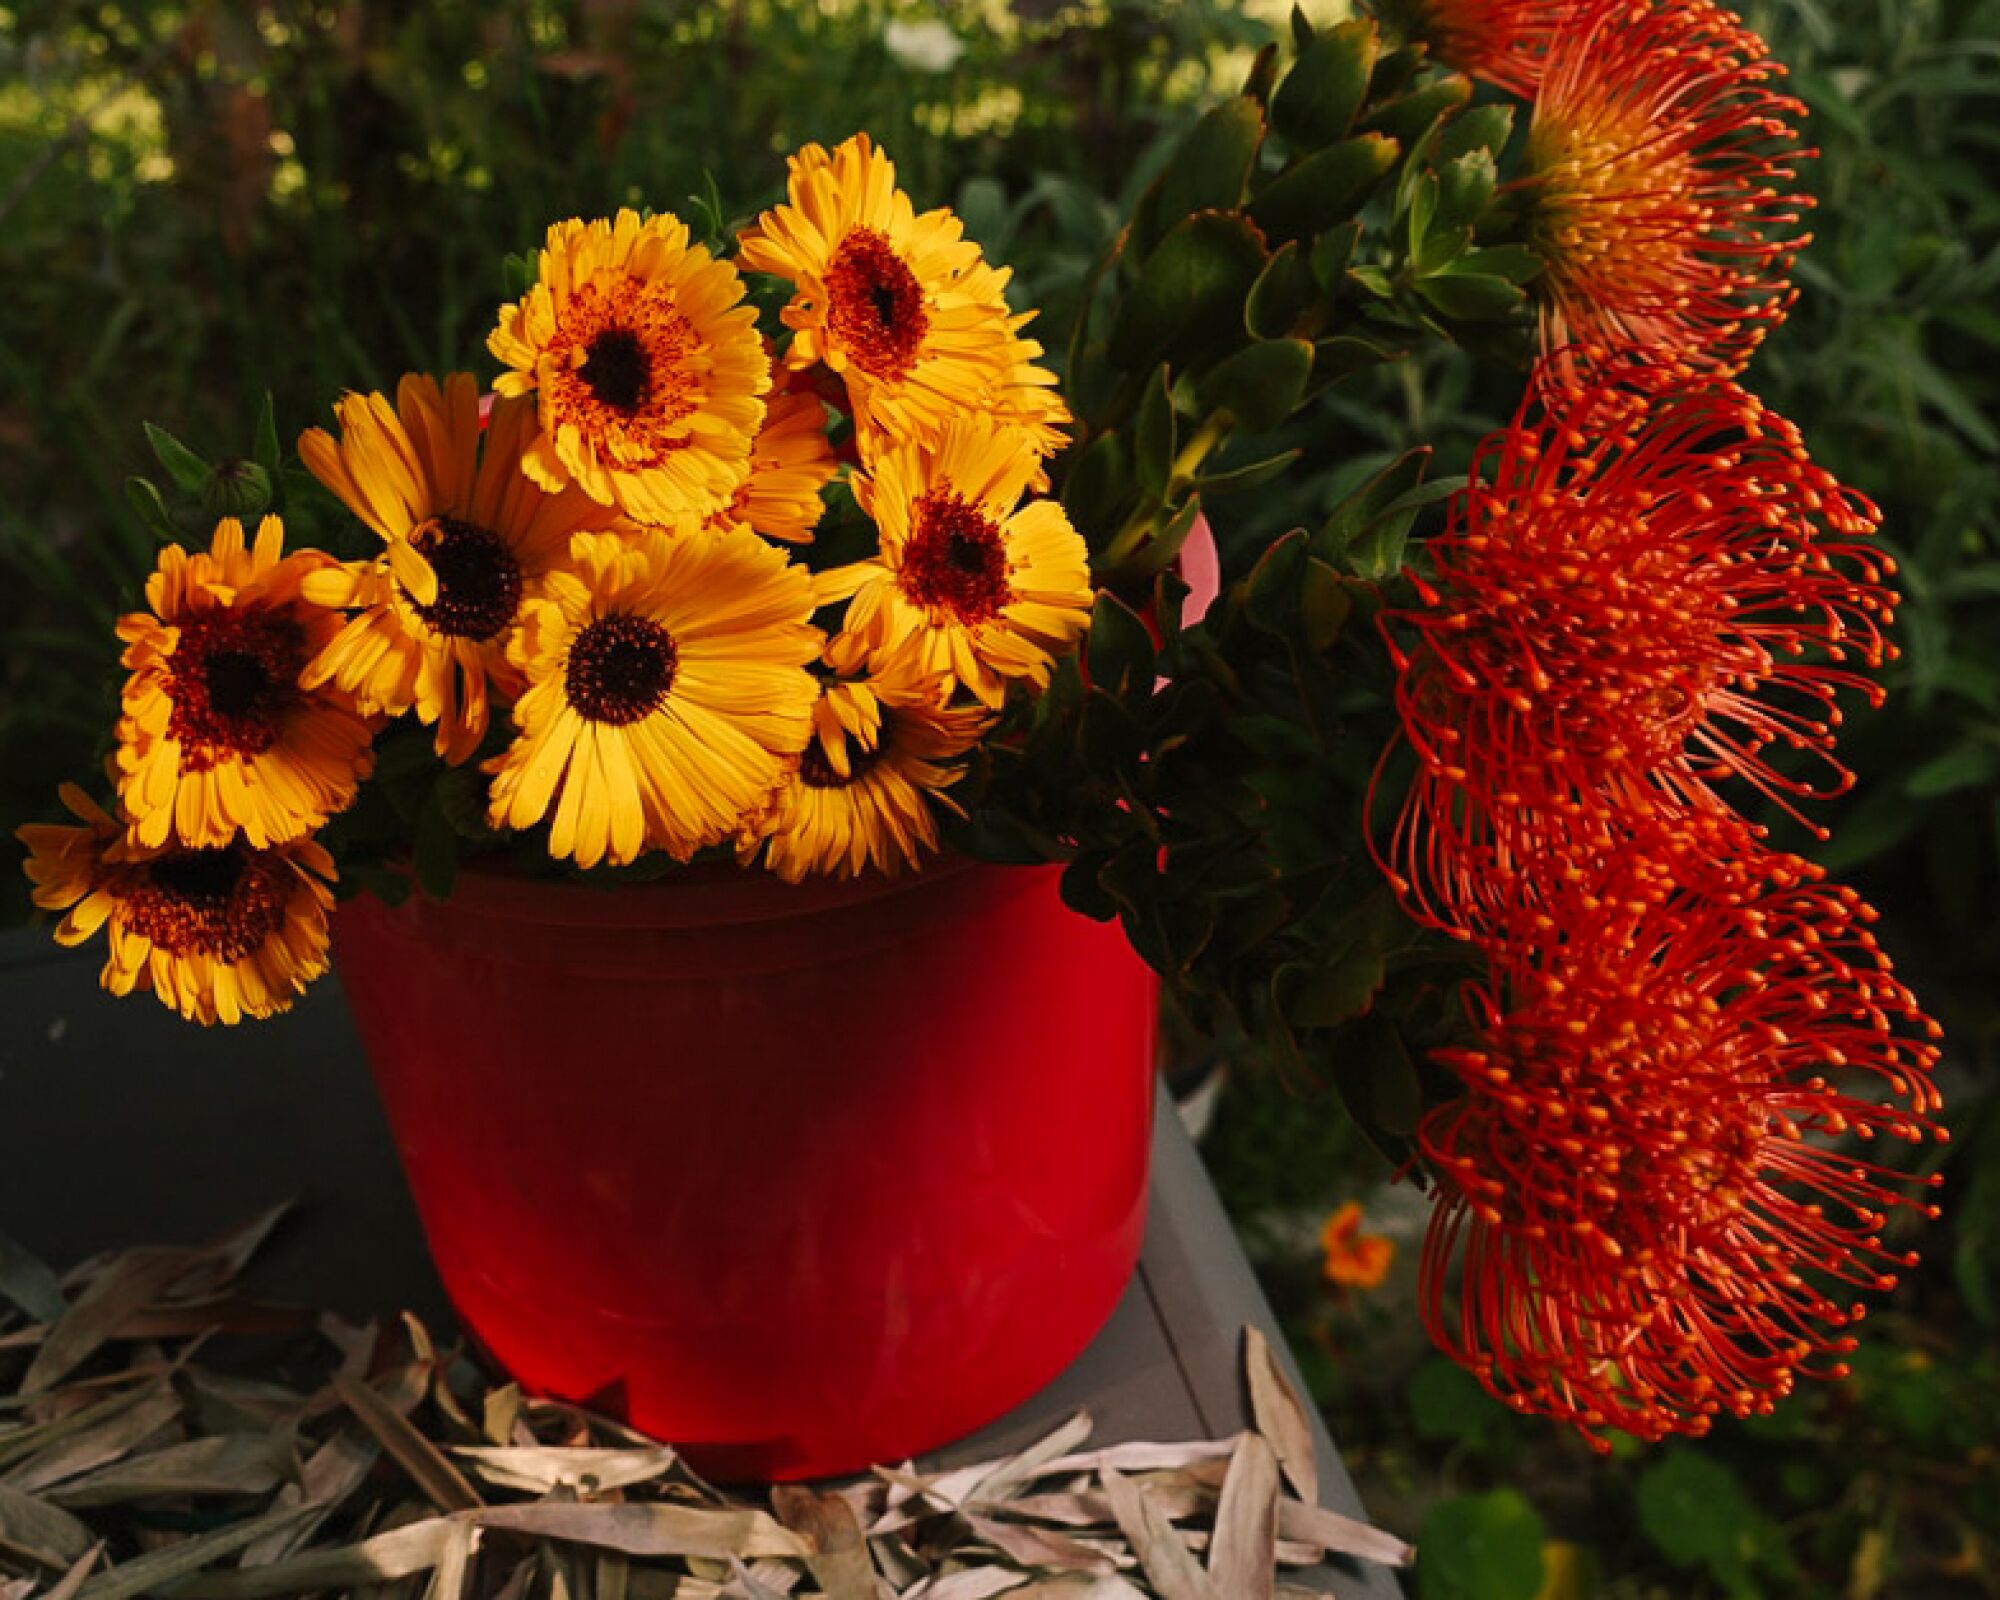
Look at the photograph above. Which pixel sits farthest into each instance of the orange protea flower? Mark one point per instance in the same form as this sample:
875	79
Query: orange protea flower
418	476
861	793
219	933
1349	1258
219	733
790	463
1661	184
1634	598
965	589
1502	42
901	305
667	686
647	370
1643	1184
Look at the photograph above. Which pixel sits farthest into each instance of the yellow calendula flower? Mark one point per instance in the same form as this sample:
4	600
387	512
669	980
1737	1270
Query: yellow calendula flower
901	305
789	464
219	733
667	686
970	587
864	791
647	369
418	475
218	933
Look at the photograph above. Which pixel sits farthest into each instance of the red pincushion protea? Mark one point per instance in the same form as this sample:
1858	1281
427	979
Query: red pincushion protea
1501	42
1661	188
1645	1186
1638	595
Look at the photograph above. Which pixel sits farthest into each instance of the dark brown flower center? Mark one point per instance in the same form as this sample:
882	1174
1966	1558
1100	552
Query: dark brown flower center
816	772
956	559
620	668
479	581
222	903
875	306
616	369
233	677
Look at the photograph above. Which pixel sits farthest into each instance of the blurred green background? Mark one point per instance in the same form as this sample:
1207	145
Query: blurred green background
203	202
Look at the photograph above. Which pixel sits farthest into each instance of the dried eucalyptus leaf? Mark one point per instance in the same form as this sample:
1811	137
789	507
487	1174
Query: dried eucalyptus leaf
66	1586
977	1583
1071	1589
653	1530
1331	1532
30	1439
1144	1456
32	1528
133	1281
397	1553
1168	1564
29	1283
157	1570
1243	1551
1039	1548
1280	1416
132	1420
226	1463
541	1469
1015	1473
454	1561
422	1460
501	1411
332	1473
837	1554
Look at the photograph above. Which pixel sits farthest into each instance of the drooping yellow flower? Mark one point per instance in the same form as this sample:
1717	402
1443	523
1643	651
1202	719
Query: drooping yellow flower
901	305
667	685
789	464
218	732
966	588
647	369
861	794
219	933
1349	1258
417	474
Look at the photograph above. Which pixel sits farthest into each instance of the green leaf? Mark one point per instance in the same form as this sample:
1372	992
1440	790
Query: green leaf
1270	593
144	498
1327	187
1209	170
1253	476
1324	605
1485	128
1481	1547
1446	1402
1317	101
1514	262
1283	293
434	849
1384	497
1331	252
1416	113
1328	995
266	451
1695	1510
1261	384
517	275
1081	891
1190	290
186	468
1378	1079
1345	353
1472	299
1154	440
1119	651
1963	766
1465	188
1097	486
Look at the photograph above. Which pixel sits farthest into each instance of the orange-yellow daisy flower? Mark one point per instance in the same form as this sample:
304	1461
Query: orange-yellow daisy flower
789	464
218	732
417	474
648	370
901	305
667	686
966	589
219	933
860	794
1349	1258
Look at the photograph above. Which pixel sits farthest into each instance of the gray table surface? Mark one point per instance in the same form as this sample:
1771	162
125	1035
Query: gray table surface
120	1124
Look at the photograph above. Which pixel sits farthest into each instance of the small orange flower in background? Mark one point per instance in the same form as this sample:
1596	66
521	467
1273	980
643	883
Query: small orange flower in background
970	587
1662	184
1349	1258
647	370
219	933
445	504
218	732
902	306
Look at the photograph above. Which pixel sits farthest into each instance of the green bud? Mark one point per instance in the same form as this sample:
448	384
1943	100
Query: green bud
235	487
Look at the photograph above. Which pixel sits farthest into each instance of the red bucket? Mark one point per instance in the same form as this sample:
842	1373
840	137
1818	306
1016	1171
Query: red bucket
799	1178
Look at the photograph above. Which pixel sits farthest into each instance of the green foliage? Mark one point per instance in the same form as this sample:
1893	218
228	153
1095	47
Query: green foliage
1481	1547
1696	1512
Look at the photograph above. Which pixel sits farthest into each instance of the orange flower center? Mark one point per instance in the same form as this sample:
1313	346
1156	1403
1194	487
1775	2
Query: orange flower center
956	559
233	677
219	903
479	581
628	368
619	669
875	306
1617	213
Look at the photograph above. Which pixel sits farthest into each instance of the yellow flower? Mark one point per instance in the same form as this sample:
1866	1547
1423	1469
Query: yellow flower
218	732
966	589
1352	1259
218	933
860	795
901	305
647	369
417	475
789	464
667	685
